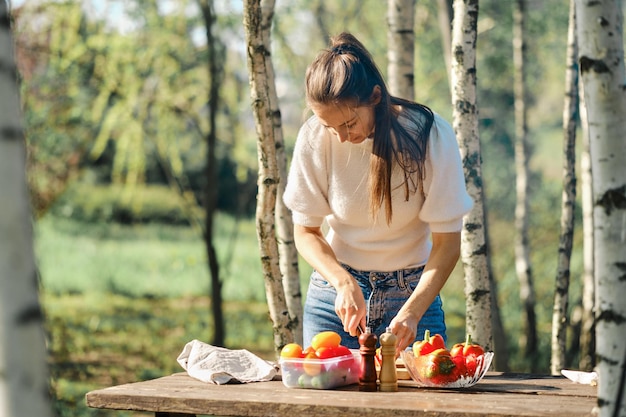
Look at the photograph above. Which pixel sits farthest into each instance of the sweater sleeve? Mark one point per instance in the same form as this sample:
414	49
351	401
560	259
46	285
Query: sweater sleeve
306	192
446	198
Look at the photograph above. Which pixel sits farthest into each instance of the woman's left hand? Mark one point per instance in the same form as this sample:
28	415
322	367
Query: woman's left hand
404	326
443	258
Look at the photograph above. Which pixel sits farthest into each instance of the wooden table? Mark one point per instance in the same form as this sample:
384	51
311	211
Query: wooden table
497	394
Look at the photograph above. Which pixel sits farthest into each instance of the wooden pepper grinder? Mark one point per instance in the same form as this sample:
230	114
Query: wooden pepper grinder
367	377
388	375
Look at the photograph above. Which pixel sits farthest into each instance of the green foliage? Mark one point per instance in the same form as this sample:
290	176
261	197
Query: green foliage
137	98
144	82
431	80
122	204
56	68
130	106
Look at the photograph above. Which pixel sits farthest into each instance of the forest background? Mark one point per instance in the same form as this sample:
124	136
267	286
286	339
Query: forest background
115	100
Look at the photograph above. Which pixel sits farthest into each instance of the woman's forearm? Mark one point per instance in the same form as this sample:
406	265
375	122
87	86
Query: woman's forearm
314	248
350	303
442	260
440	264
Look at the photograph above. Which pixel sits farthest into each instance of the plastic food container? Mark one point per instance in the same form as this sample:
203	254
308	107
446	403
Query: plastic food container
321	373
415	365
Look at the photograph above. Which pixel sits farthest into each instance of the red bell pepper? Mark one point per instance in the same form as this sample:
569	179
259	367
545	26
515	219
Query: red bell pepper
467	348
438	367
468	351
429	344
460	367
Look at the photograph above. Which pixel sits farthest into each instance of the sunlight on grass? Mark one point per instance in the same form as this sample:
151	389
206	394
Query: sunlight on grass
142	260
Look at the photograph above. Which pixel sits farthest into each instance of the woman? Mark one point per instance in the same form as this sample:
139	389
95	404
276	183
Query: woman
385	176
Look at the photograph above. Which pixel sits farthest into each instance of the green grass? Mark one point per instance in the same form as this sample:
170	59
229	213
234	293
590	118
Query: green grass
122	301
145	260
97	340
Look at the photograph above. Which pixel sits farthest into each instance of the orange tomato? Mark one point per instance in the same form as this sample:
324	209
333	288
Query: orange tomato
312	365
326	352
378	358
308	350
327	339
291	350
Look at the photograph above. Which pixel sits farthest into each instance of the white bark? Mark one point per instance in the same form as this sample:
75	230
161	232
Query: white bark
443	16
588	325
568	201
23	367
269	176
601	60
465	123
288	255
401	47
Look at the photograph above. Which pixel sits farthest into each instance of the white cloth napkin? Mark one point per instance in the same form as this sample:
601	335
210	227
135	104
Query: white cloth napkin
587	378
219	365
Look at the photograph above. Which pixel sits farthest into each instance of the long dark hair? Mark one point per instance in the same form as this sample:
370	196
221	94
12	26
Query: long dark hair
346	73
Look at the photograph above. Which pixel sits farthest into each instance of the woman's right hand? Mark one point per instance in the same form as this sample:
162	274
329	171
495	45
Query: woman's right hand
350	305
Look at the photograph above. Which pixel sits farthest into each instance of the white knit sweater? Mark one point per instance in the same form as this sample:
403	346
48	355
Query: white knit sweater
328	181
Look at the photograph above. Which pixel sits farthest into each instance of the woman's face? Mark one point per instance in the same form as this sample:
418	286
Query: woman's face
347	123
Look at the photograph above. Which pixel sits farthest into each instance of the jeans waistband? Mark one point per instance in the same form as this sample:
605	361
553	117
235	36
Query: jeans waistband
387	274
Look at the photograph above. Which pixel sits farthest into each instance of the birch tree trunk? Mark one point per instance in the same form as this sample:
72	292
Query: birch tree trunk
528	339
465	123
320	13
568	201
588	321
444	12
601	61
288	254
269	177
500	344
23	367
401	48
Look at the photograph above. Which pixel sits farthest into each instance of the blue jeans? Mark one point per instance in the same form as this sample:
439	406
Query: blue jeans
385	293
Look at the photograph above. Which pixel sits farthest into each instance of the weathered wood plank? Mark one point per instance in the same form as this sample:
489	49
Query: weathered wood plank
164	414
496	395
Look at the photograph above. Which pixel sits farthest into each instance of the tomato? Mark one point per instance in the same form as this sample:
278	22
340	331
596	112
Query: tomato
311	364
378	358
342	350
326	352
321	381
326	339
291	350
304	381
290	374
